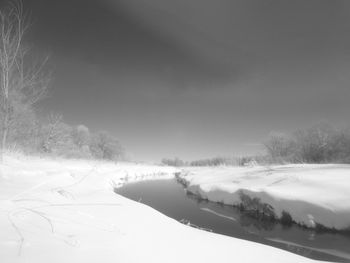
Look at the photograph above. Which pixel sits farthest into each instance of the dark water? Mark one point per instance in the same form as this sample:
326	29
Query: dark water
170	198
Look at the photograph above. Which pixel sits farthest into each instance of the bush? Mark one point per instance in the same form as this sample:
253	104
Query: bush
255	207
286	219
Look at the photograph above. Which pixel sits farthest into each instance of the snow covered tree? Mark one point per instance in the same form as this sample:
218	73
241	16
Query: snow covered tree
81	136
23	81
55	135
280	147
104	146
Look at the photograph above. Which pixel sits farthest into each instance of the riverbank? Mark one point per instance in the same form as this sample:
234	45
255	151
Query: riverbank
66	211
317	196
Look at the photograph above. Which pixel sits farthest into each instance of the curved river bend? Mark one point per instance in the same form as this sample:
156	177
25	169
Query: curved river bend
171	199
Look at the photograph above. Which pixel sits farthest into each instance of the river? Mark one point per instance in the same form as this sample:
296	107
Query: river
171	199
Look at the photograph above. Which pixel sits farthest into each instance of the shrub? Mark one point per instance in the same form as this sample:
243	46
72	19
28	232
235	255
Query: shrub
286	219
255	207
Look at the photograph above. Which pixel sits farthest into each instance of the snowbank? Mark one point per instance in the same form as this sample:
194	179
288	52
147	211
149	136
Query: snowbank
66	211
311	194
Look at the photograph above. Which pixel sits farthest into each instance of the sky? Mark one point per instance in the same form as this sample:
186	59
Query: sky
195	78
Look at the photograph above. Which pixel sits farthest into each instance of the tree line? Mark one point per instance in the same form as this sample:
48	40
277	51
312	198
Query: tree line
56	138
215	161
321	143
24	81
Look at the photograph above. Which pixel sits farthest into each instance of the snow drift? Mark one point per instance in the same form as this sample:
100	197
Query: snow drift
312	194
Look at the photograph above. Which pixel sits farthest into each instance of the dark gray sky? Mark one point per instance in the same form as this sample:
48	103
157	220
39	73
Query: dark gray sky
195	78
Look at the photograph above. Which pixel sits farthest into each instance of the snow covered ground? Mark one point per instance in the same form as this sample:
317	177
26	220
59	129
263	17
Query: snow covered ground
311	194
66	211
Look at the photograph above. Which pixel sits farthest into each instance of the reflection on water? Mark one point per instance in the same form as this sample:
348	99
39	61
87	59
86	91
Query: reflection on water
170	198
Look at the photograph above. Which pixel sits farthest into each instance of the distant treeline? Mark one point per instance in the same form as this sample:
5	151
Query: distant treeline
215	161
321	143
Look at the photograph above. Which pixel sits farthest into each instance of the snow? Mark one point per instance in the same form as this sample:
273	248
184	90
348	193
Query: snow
66	211
311	194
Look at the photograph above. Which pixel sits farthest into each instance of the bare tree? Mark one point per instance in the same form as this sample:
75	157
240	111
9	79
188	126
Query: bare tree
22	82
81	136
52	133
280	147
104	146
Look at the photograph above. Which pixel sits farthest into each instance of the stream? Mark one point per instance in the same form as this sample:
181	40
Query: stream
170	198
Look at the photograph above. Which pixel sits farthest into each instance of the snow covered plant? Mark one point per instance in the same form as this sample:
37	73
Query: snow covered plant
286	219
255	207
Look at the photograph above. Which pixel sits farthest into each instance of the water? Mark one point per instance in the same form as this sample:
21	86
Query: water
171	199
